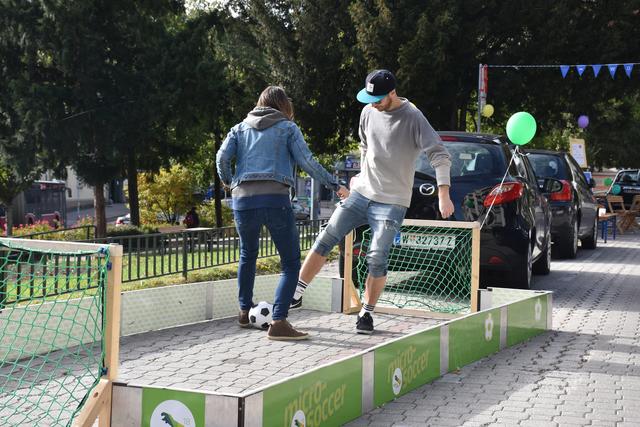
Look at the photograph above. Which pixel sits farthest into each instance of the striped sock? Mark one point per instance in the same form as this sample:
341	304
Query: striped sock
302	286
367	308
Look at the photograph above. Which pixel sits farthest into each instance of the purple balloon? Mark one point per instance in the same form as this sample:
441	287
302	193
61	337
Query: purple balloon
583	122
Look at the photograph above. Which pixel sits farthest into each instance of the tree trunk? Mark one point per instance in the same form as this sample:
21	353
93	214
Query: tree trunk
462	115
132	183
217	185
453	114
8	216
98	203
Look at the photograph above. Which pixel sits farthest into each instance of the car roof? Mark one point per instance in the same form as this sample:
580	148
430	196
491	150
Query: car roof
473	137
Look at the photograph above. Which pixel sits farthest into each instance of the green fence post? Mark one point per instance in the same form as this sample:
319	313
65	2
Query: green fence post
3	288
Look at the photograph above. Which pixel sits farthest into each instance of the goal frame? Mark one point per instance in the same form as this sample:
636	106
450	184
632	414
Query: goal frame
98	404
351	300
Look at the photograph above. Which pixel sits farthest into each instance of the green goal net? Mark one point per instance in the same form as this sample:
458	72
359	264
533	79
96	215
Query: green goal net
51	331
430	268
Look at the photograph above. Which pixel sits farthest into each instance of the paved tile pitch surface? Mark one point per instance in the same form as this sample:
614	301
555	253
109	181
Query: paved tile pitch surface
585	372
219	356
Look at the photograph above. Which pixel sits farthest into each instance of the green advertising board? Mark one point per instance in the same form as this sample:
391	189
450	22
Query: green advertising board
526	319
406	364
473	338
329	396
172	408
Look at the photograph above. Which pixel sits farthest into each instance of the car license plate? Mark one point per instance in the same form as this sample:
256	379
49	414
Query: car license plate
631	190
427	241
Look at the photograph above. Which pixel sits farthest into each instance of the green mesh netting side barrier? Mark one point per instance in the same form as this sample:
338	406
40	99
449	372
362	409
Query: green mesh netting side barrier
51	332
429	268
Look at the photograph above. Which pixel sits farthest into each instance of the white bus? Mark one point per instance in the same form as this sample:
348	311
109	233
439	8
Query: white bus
43	201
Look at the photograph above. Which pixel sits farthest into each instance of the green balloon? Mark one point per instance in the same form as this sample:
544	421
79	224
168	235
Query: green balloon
521	128
608	181
615	189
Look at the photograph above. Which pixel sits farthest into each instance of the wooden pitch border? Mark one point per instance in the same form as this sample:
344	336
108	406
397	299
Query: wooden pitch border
351	300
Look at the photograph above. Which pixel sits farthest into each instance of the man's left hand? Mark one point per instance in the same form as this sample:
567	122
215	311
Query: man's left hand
446	208
444	202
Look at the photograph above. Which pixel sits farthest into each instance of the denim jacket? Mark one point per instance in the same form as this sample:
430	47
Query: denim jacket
268	154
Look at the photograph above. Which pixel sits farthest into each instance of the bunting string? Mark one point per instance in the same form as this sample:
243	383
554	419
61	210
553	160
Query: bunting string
579	68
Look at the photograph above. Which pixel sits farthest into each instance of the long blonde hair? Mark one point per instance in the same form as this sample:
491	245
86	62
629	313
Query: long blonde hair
276	97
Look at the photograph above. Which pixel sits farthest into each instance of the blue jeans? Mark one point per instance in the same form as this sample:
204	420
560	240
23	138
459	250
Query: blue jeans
281	224
384	219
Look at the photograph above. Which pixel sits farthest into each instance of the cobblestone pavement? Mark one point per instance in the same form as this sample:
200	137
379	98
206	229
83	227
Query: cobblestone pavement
584	372
220	356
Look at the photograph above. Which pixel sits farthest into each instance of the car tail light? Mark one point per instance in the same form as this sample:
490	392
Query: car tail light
448	138
358	252
507	192
563	195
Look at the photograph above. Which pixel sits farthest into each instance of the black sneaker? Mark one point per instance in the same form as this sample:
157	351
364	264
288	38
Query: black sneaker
296	303
364	325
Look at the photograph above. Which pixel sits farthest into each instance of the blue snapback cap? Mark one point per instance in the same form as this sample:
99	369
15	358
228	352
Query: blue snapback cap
377	85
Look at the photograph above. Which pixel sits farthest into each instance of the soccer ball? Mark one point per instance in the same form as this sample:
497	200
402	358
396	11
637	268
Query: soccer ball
260	315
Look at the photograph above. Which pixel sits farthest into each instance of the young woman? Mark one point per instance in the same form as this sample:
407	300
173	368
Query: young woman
266	147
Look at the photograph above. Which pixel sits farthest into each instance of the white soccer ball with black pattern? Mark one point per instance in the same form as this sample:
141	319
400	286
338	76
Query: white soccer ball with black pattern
260	315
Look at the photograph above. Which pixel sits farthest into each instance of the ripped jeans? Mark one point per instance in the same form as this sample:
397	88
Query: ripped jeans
356	210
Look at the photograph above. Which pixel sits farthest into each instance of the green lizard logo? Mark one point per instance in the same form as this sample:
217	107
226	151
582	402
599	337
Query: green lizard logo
167	418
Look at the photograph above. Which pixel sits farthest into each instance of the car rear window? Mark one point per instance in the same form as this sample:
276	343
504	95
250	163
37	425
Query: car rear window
628	177
548	166
468	159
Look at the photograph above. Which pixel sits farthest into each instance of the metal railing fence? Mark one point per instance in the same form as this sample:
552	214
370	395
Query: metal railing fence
88	233
155	255
152	255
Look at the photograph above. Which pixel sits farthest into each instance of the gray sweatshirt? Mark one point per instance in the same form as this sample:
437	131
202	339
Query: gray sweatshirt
390	142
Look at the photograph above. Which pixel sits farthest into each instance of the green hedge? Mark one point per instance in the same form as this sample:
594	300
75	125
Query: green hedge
131	230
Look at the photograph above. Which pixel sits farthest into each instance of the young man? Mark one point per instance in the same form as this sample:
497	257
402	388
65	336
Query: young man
392	133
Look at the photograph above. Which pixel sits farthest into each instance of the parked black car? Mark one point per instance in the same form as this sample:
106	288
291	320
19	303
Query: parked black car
629	182
574	208
515	239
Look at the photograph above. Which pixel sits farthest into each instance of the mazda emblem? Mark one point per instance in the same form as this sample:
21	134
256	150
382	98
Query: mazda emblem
427	189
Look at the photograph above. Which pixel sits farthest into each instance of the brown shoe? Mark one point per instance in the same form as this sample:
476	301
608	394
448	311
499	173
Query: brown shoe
281	330
243	319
